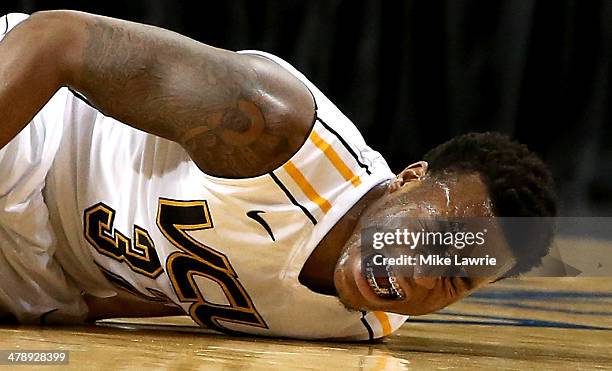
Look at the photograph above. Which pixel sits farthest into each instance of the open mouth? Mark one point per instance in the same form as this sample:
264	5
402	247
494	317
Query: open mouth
382	280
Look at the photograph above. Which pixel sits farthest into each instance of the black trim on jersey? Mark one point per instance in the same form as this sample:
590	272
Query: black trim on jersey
7	25
367	326
292	199
82	98
346	145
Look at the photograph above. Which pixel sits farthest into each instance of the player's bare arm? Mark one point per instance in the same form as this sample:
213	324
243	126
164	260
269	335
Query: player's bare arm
236	115
269	250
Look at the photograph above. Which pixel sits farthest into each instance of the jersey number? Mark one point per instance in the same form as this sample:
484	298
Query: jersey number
140	255
175	219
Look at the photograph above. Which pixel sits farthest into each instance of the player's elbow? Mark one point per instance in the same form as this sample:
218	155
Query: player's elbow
287	99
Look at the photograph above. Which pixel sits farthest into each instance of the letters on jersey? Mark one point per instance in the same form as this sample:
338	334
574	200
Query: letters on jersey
127	210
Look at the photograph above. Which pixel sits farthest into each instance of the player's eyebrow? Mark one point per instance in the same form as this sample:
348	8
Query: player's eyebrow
433	225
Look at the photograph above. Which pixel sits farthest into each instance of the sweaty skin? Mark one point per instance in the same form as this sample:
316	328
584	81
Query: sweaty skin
236	115
412	194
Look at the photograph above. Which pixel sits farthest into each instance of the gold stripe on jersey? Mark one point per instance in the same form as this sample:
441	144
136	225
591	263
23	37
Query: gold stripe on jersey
306	187
334	158
384	322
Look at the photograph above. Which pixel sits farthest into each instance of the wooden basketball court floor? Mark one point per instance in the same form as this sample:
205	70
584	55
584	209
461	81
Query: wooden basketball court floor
527	323
552	323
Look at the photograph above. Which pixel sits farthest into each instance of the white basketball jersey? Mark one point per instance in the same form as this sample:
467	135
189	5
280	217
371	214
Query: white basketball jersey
131	210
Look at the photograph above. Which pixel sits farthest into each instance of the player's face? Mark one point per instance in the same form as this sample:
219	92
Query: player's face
416	197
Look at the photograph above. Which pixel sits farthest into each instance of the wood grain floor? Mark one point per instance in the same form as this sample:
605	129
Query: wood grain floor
554	323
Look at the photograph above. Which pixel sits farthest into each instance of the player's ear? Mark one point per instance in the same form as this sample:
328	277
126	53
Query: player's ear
411	173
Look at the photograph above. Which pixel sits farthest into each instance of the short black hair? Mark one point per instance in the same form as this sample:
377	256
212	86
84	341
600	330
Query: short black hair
519	184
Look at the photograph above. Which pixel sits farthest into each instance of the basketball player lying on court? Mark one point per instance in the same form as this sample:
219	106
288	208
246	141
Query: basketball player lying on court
146	174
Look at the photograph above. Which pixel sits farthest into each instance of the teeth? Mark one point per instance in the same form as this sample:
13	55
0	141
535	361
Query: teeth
377	282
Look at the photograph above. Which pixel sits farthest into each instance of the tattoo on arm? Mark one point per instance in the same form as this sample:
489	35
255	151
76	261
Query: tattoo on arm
236	115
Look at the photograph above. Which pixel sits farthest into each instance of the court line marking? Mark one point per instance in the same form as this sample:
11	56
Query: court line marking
542	308
534	294
501	299
526	323
513	322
